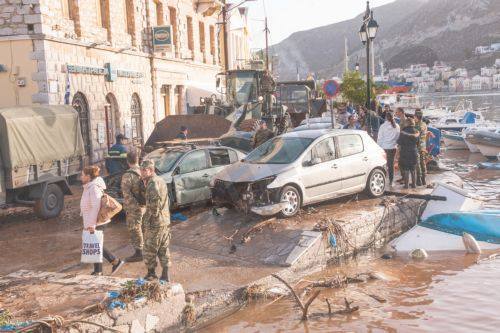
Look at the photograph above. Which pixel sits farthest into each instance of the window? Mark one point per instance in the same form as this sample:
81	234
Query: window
194	161
212	40
324	150
66	8
158	12
350	145
102	13
164	162
202	36
129	17
233	156
219	157
173	21
190	33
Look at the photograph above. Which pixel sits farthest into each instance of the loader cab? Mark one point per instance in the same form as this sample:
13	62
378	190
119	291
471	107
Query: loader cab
243	86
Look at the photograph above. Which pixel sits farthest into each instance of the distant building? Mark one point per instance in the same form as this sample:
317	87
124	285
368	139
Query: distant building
482	50
238	39
462	72
496	81
488	71
495	47
497	63
482	82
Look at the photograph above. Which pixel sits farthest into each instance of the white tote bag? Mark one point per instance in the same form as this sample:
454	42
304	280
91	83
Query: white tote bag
92	247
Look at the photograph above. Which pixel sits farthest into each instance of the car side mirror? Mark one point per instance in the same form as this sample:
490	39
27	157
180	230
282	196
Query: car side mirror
315	161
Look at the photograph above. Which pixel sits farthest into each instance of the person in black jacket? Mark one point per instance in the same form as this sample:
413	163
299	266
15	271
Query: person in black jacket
408	153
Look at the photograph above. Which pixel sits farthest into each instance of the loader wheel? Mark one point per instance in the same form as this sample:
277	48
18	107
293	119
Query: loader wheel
249	125
51	203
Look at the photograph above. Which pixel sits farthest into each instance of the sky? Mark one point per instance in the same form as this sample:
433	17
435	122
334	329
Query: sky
288	16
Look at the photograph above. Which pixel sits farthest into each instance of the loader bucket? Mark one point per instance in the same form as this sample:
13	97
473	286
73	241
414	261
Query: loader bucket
201	126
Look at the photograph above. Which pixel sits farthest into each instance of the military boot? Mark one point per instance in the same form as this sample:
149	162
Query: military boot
151	275
406	178
136	257
423	180
164	275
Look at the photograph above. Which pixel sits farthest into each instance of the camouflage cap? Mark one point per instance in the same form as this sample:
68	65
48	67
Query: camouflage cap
147	164
419	113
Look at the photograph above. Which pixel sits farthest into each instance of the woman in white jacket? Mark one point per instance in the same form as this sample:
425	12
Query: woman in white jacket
90	203
387	139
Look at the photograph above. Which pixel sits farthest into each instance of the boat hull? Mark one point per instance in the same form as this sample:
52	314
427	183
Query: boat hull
443	232
472	147
454	141
488	151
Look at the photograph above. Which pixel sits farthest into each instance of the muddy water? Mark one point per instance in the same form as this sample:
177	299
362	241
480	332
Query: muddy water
448	292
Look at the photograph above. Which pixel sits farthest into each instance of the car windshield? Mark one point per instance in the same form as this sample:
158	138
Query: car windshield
165	160
279	150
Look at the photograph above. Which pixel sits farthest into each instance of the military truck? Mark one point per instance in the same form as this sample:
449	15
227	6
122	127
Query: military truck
41	150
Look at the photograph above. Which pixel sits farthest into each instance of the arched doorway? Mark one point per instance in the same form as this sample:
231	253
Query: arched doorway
82	107
112	117
136	120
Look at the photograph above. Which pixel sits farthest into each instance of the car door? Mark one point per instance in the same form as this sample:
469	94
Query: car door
352	162
320	174
220	158
192	179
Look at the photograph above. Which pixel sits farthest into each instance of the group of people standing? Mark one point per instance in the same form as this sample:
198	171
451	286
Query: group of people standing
146	204
409	138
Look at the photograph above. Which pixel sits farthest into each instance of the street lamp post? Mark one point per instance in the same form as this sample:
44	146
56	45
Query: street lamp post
367	34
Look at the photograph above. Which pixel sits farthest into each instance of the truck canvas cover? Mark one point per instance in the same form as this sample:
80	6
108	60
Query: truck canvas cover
37	134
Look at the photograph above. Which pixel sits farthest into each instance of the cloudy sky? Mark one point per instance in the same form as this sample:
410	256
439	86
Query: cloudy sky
288	16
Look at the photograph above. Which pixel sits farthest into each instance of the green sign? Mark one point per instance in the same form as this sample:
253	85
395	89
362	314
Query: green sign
162	38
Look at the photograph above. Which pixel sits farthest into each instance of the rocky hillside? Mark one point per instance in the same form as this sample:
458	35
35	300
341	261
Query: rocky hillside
410	31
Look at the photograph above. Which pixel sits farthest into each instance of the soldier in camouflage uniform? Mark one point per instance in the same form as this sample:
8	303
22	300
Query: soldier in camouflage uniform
134	204
262	135
156	222
421	128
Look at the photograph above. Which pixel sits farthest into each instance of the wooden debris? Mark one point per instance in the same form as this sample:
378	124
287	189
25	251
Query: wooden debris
247	236
303	306
347	308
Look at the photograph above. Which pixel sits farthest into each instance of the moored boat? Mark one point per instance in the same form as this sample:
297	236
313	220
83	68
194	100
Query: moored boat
488	142
454	140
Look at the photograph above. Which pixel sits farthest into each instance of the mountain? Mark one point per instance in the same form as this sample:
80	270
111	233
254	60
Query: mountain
411	31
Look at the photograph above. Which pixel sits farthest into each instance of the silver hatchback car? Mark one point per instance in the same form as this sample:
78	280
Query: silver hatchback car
302	168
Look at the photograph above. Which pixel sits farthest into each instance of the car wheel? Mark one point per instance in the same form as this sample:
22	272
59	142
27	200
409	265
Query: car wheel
51	204
291	195
375	185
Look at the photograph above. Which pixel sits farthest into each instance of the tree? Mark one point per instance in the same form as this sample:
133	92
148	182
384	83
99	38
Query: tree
353	88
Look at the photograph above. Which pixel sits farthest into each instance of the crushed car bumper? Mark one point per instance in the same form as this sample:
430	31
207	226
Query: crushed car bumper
269	210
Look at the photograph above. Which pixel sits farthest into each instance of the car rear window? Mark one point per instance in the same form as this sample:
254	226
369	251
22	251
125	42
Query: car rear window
350	144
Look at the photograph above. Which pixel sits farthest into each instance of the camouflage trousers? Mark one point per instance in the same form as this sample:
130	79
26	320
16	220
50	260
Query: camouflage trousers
421	163
134	225
156	242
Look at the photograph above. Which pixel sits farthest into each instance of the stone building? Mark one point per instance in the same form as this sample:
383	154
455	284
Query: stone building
99	56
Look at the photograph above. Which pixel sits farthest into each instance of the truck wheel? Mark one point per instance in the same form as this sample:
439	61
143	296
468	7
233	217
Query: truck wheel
51	204
292	196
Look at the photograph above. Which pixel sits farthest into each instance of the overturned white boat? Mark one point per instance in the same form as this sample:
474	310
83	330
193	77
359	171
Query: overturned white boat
444	224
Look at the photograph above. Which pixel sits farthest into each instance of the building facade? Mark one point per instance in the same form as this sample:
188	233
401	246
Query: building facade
98	55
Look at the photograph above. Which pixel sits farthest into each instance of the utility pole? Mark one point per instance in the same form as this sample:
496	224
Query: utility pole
226	47
266	30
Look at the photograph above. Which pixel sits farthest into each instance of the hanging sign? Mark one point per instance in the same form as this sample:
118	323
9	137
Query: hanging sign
162	38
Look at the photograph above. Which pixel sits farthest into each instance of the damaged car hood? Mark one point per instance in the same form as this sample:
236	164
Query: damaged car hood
242	172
